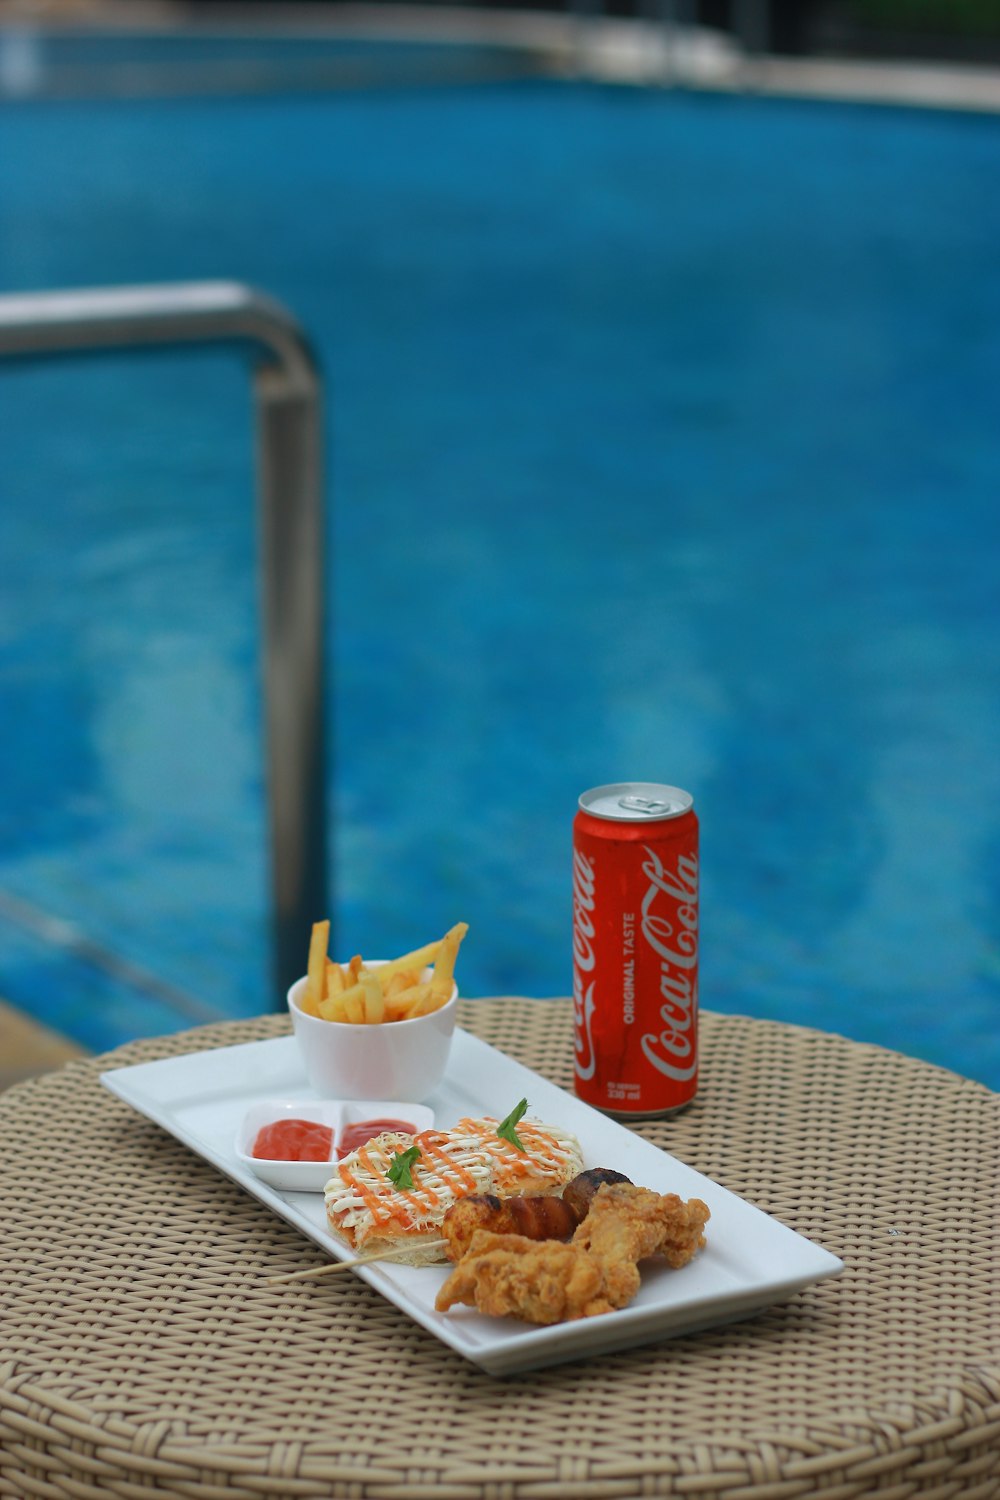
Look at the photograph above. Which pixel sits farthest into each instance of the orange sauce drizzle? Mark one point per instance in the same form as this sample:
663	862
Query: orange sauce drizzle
542	1150
369	1199
429	1141
381	1211
387	1205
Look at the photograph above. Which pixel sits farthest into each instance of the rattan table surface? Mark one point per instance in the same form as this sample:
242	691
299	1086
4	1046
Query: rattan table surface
142	1354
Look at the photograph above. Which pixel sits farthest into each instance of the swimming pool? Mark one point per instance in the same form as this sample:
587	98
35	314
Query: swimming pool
662	444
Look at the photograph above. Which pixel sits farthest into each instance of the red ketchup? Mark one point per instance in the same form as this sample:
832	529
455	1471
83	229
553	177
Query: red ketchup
293	1140
362	1131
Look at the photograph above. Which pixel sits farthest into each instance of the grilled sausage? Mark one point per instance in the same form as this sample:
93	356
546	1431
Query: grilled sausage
535	1217
579	1193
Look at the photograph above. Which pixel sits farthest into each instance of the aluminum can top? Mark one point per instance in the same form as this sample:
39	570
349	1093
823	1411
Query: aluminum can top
636	802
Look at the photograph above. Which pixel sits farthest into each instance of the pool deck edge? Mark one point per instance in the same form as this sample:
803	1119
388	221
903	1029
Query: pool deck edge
28	1048
603	49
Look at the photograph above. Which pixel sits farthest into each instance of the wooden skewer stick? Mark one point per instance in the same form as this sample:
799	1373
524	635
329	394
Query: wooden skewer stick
351	1265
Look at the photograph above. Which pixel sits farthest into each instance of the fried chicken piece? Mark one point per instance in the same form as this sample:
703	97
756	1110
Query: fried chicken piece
550	1282
629	1223
542	1281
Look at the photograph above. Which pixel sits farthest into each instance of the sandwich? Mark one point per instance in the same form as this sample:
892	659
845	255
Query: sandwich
532	1158
391	1195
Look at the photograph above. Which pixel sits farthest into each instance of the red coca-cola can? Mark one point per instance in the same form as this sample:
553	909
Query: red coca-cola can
635	948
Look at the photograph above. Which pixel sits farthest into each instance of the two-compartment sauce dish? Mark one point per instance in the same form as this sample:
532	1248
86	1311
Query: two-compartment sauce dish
294	1144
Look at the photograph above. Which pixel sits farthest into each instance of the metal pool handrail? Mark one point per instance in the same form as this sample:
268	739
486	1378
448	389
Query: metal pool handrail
288	389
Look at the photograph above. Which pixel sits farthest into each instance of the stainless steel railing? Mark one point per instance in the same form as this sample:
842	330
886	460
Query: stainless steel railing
288	392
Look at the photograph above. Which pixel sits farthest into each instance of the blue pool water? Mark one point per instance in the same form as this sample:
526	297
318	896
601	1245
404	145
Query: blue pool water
663	443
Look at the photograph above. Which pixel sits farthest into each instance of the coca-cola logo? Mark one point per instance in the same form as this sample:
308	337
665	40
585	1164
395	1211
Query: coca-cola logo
669	926
583	963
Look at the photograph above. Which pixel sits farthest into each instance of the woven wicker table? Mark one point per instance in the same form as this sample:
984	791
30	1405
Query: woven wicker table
142	1354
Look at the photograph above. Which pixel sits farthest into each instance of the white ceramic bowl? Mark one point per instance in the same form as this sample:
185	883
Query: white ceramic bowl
396	1060
312	1176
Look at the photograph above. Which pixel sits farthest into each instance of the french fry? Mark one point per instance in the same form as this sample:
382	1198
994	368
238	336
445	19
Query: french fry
374	1001
399	1006
333	1009
424	1004
350	1005
345	1006
356	991
396	983
443	979
354	1004
316	972
418	960
393	991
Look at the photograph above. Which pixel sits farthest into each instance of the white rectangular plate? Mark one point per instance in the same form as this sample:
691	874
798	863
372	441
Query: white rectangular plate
750	1261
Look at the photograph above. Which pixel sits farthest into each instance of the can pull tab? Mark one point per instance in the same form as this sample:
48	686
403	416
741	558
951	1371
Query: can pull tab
645	805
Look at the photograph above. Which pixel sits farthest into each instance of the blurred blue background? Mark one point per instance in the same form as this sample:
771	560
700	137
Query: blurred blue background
662	444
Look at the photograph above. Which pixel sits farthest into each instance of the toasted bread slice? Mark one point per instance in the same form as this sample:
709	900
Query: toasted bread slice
551	1156
367	1209
371	1213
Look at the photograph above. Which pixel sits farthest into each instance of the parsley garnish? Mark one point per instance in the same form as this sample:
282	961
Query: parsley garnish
506	1129
400	1172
